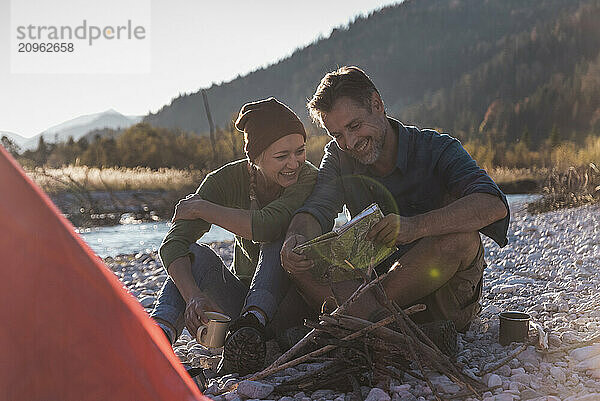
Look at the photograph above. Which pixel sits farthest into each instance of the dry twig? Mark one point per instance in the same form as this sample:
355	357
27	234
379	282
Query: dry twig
368	348
506	360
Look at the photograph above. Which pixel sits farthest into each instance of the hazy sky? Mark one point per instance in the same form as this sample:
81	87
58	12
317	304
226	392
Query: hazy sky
193	43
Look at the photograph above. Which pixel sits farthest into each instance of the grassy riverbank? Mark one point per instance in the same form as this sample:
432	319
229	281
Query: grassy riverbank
82	178
91	196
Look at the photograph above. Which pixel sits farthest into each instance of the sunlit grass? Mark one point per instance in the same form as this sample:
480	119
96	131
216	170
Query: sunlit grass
73	178
53	180
505	174
78	178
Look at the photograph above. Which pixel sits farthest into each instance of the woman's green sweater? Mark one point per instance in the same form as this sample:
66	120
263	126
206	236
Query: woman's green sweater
229	186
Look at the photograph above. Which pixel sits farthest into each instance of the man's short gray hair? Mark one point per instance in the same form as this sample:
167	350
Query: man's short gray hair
349	82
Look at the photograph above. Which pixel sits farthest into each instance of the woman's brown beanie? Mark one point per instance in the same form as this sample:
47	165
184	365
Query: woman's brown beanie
265	121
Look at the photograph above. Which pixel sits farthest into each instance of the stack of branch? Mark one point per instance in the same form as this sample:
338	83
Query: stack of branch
355	351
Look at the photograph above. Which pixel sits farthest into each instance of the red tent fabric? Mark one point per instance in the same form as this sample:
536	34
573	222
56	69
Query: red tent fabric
68	329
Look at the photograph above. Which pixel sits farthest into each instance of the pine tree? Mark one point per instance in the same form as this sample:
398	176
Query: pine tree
10	146
554	139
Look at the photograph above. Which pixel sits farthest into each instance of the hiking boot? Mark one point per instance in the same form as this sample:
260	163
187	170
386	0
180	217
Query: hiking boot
443	334
245	348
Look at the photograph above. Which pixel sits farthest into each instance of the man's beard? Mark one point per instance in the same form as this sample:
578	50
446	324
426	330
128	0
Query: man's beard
374	153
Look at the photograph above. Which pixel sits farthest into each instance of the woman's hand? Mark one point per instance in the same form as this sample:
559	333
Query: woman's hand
189	208
194	312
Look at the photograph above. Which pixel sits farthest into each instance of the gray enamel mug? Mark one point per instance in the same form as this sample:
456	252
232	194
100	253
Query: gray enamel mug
212	334
514	326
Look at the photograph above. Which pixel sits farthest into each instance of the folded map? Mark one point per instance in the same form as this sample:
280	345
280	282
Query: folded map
330	251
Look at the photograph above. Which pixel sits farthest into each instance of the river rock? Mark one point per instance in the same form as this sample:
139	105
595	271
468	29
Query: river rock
321	394
528	394
147	301
521	378
558	374
505	289
529	355
504	370
517	371
504	397
291	372
404	396
530	368
514	363
154	282
554	341
364	391
445	384
587	397
585	352
569	337
377	394
590	363
491	310
252	389
400	388
212	389
494	380
231	396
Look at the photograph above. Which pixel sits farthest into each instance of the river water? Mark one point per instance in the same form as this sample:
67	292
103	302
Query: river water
131	238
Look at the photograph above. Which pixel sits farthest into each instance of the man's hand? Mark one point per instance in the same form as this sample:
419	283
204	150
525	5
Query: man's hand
291	261
188	208
194	312
394	230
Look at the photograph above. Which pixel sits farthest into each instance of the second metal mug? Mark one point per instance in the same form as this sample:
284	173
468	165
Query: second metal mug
514	326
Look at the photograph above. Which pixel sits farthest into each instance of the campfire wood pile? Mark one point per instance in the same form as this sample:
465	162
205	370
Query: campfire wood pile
354	351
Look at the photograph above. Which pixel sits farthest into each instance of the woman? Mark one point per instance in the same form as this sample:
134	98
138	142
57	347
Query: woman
255	199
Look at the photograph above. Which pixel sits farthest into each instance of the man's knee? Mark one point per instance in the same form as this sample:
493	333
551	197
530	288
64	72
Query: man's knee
461	247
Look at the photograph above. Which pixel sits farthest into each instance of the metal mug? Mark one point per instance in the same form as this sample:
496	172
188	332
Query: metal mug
212	334
514	326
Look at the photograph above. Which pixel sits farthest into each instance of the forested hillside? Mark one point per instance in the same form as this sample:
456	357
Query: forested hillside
489	70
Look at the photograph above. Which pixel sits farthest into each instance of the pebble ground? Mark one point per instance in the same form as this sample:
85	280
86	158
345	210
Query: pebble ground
550	269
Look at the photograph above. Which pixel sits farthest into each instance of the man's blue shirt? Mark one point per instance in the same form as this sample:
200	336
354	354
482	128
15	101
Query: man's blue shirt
432	170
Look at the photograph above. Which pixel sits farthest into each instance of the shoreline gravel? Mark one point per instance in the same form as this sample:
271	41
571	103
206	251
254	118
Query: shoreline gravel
550	269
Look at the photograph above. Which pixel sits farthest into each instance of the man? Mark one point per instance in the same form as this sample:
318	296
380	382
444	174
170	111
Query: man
434	197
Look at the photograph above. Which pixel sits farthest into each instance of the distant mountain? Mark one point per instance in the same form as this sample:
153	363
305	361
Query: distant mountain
104	133
16	138
490	69
81	126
